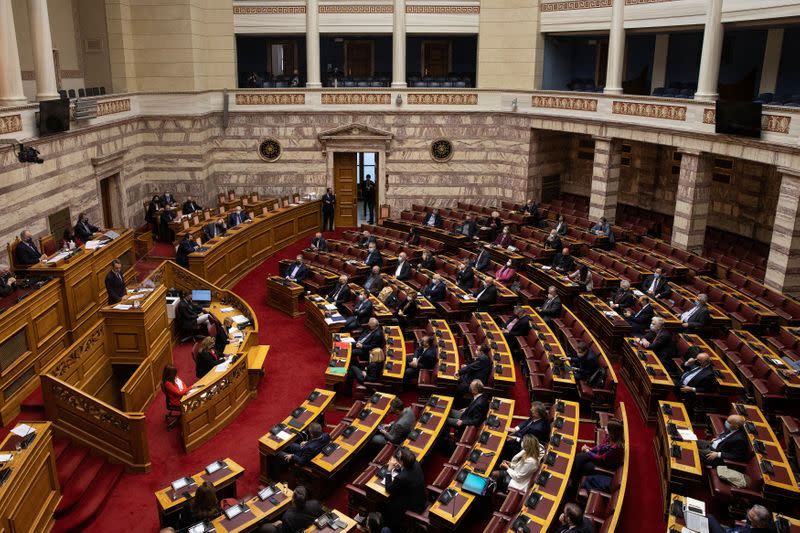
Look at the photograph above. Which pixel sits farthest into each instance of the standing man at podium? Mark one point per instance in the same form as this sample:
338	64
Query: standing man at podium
115	283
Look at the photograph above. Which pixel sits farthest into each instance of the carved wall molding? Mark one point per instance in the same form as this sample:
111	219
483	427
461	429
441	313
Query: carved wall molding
648	110
770	123
269	10
112	107
709	116
565	102
214	390
443	99
83	404
444	10
572	5
357	98
10	123
356	8
270	99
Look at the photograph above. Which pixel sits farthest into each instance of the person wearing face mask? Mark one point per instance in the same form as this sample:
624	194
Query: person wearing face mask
83	229
604	228
365	239
408	310
583	277
465	278
505	273
699	376
503	240
640	320
731	444
659	340
214	229
373	256
486	296
561	225
518	325
26	252
340	292
8	283
374	283
427	262
609	454
563	262
656	285
433	219
403	269
553	241
759	520
622	298
551	307
483	260
469	228
435	291
697	316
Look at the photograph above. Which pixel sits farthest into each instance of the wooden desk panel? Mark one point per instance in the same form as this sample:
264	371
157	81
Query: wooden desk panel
647	378
318	316
395	354
728	382
563	381
449	358
503	370
676	473
284	295
169	502
257	512
350	525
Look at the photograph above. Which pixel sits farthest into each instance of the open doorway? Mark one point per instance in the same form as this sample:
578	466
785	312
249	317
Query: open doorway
356	188
109	199
367	166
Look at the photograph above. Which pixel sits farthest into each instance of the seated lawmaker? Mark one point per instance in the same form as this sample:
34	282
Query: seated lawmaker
167	200
537	425
659	340
173	386
495	224
583	277
551	307
519	324
468	228
622	298
424	358
397	431
730	445
8	283
609	454
297	271
309	444
374	282
699	376
640	320
361	312
188	315
238	216
190	206
486	295
480	369
698	315
505	273
483	260
465	277
435	290
561	225
573	521
366	239
405	487
318	243
373	257
115	283
553	241
433	219
299	516
340	292
403	269
407	311
372	371
518	472
563	262
185	247
604	228
26	252
427	261
412	237
585	362
503	239
475	413
207	357
214	229
84	230
371	337
759	520
656	285
203	507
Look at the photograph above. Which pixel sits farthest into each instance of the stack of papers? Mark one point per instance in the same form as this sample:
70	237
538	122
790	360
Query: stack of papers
93	245
239	319
122	307
5	457
225	309
222	367
58	257
687	434
330	307
283	435
22	430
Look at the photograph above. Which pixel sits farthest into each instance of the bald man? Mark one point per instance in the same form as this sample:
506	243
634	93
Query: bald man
698	377
731	444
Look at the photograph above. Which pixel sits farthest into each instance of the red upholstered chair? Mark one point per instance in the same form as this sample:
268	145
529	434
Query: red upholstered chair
47	244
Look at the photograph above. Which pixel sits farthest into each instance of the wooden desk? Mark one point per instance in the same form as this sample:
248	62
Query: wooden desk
348	447
608	323
395	354
133	334
676	473
767	318
257	512
227	259
379	309
323	319
452	241
449	358
647	378
339	363
350	525
729	384
678	523
31	493
546	276
171	502
542	341
503	373
284	295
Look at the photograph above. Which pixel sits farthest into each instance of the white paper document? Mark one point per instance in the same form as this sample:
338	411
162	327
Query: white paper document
687	435
5	457
351	340
136	297
222	367
225	309
284	435
22	430
122	307
239	319
330	307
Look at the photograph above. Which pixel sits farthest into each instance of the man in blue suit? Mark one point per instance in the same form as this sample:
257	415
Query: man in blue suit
237	217
301	453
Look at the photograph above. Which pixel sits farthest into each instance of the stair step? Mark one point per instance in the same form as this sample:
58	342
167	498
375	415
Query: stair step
92	501
59	445
81	482
68	463
34	401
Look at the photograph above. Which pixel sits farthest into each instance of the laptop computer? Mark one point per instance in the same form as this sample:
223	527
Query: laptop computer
201	296
475	484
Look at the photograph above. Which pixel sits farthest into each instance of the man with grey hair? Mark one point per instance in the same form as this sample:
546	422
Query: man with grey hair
8	283
26	252
759	520
623	298
659	340
698	315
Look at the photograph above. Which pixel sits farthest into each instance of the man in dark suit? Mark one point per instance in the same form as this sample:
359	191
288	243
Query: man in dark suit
397	431
237	217
369	197
311	443
553	241
698	376
424	358
362	312
374	282
433	219
115	283
186	246
573	521
298	516
656	285
640	320
604	228
465	277
189	315
373	256
483	260
659	340
372	337
479	369
585	363
518	325
427	261
623	298
537	425
551	307
297	271
165	233
318	243
563	262
190	206
731	445
84	230
486	296
366	239
697	316
435	290
8	283
340	292
167	200
26	252
759	520
531	208
469	228
214	229
403	269
405	487
475	413
328	206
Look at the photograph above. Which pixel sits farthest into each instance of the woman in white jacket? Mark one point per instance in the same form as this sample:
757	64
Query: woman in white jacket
517	473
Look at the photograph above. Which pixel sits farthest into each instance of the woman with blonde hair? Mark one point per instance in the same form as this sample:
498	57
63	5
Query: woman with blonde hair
207	357
517	473
372	372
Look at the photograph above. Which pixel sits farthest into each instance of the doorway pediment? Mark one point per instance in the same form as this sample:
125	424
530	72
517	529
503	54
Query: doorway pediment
355	136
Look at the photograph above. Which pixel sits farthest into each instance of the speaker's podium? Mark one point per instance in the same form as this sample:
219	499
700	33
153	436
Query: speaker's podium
284	295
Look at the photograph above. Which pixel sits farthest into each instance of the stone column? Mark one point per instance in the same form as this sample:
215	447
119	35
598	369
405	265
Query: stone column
605	179
772	60
783	264
312	44
616	48
42	42
692	201
11	92
399	44
712	52
660	61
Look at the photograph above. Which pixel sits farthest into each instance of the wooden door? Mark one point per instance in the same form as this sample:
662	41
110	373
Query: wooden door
436	58
105	198
358	59
344	185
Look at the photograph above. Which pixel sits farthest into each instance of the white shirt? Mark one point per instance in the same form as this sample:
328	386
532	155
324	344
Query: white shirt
652	288
521	470
716	442
294	271
690	375
399	266
688	314
432	220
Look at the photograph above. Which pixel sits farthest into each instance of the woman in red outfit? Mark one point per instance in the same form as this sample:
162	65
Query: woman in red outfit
172	385
505	273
